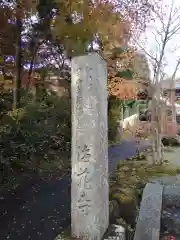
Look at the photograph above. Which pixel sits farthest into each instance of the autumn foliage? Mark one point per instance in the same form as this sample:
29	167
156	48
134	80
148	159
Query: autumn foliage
63	29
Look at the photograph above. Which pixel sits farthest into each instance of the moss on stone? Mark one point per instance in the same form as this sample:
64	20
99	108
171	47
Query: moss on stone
128	181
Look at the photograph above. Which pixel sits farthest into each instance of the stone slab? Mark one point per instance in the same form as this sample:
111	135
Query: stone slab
148	224
89	156
170	220
167	180
171	196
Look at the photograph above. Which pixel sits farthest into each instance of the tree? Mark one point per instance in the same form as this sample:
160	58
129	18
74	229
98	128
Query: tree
77	25
172	95
68	28
17	87
141	69
165	27
119	67
110	25
11	28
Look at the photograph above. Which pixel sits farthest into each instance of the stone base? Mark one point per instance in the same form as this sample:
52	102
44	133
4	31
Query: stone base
170	220
170	216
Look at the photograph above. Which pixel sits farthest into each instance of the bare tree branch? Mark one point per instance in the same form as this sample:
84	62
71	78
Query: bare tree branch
169	20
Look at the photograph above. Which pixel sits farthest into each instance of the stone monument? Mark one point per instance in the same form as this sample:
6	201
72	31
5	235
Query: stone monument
149	220
89	156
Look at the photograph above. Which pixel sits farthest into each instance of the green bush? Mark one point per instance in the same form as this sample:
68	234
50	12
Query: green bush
171	141
114	106
39	131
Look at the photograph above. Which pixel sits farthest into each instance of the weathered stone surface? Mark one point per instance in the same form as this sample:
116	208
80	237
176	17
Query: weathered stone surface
170	217
148	224
89	189
170	220
167	180
171	196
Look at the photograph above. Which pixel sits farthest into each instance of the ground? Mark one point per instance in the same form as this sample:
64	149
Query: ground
173	155
42	209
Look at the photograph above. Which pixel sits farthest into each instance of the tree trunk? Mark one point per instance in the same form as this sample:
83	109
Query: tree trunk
17	87
34	48
159	149
156	136
122	113
172	101
159	132
30	70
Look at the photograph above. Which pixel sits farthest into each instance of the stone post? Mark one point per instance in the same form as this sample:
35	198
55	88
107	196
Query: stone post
89	156
149	220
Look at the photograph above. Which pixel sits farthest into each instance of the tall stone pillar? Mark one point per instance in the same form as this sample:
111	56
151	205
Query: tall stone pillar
89	157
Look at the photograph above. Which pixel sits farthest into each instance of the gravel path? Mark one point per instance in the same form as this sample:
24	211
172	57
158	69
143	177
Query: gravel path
42	210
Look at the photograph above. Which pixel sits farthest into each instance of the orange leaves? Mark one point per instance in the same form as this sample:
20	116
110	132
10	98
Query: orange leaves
119	62
70	6
88	19
73	25
118	86
113	29
28	5
123	89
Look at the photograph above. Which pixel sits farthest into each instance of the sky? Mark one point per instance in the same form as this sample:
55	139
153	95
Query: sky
149	43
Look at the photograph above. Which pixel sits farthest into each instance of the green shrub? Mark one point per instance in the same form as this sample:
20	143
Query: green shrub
114	106
39	131
171	141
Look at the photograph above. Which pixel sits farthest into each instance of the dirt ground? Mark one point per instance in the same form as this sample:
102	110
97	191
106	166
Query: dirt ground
172	154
